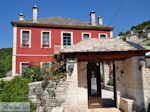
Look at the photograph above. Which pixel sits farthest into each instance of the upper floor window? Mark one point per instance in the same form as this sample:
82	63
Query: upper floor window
67	39
25	38
45	40
24	66
102	35
86	35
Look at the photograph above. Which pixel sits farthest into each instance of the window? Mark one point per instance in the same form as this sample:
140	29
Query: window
45	40
102	35
23	67
25	38
66	39
45	66
86	35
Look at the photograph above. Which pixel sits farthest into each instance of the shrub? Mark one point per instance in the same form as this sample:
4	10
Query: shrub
15	90
110	82
102	78
33	74
123	38
5	61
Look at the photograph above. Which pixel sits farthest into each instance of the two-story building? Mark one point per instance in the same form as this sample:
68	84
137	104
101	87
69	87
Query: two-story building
35	40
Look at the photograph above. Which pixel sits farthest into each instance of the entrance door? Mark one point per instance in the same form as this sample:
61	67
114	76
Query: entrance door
94	85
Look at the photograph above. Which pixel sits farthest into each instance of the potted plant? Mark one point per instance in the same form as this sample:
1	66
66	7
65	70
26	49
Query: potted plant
45	45
25	44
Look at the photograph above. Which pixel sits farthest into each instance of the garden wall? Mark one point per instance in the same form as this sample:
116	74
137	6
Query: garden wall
48	97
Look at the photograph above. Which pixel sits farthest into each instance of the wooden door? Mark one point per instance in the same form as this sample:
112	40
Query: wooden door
94	85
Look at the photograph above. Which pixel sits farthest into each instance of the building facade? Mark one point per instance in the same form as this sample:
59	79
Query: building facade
36	40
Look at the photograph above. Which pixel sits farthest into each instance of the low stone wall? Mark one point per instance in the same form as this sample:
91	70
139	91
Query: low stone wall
48	97
126	105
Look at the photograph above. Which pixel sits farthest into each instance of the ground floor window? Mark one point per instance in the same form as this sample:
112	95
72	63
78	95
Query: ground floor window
23	67
45	66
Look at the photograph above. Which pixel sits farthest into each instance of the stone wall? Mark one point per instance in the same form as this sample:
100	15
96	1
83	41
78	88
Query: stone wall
46	98
132	82
146	86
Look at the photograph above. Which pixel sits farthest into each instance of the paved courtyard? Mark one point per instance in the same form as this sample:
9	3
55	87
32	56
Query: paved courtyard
76	99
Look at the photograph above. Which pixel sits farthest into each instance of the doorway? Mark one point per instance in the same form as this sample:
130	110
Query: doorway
94	85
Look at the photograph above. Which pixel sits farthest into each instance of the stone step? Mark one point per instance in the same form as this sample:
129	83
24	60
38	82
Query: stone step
104	110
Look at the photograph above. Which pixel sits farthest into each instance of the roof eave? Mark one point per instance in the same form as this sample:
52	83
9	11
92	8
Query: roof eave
74	52
19	23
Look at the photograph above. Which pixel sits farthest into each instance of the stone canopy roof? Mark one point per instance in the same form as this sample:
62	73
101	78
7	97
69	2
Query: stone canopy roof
60	21
103	45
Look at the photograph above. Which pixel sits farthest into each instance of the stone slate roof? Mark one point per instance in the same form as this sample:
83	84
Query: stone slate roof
103	45
58	21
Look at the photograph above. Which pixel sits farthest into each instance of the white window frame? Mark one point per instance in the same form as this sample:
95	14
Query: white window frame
49	38
86	33
21	66
62	32
41	63
21	32
103	34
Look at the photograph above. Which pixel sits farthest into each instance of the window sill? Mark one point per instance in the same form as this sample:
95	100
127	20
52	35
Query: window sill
45	47
25	47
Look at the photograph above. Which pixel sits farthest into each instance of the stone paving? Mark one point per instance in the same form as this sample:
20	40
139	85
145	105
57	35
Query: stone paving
76	100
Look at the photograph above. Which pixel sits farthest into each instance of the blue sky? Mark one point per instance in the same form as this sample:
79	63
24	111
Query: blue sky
131	12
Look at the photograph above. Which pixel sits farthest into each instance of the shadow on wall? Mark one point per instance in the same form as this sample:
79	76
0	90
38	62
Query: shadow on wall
139	106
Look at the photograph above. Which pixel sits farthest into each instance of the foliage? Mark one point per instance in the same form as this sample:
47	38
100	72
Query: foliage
57	69
5	61
15	90
124	34
33	73
123	38
141	26
102	78
145	36
137	27
148	44
110	82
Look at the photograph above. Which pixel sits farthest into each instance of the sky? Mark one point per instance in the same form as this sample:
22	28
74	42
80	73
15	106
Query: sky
122	14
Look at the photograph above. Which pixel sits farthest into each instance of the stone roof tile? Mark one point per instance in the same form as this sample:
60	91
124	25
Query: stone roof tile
59	21
103	45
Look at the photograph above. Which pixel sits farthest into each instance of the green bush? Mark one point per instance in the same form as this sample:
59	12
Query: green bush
102	78
33	74
110	82
5	61
123	38
15	90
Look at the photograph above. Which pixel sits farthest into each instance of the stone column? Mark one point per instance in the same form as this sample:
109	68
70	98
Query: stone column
74	75
106	73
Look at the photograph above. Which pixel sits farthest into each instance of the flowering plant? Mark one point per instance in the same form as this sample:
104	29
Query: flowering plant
45	45
31	64
25	44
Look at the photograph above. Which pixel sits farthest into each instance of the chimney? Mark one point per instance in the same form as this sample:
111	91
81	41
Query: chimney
21	17
35	13
92	14
100	21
